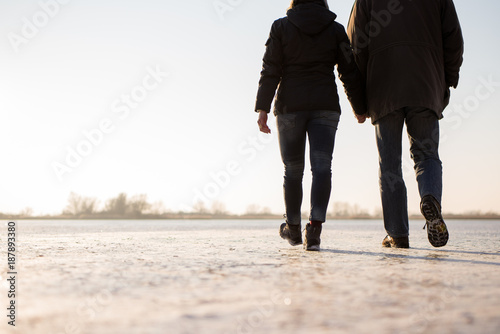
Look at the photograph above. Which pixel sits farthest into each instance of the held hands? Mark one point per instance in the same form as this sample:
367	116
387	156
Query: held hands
361	118
262	122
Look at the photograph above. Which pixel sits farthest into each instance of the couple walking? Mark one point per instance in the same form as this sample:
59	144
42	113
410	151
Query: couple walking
397	62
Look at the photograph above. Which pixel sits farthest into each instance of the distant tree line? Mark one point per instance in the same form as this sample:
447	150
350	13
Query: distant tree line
124	206
137	206
343	210
119	206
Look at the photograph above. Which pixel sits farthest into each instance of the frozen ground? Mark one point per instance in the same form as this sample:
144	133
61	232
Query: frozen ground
237	277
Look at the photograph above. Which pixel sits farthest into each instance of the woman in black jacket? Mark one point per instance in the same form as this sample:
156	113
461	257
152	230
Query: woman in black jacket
301	53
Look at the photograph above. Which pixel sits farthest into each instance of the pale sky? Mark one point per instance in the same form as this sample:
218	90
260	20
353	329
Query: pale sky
157	97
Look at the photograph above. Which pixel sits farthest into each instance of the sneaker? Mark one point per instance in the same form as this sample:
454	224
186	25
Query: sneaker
312	239
401	242
437	232
291	233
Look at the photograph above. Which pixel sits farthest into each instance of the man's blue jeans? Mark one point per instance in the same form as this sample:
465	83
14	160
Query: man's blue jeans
320	127
423	132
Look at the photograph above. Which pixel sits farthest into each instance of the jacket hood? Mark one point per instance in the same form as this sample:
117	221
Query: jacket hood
311	18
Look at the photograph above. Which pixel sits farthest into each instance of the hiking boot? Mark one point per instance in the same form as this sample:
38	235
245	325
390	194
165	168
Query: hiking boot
312	239
437	233
401	242
291	233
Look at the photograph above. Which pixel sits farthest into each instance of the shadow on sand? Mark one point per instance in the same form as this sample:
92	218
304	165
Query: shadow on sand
433	255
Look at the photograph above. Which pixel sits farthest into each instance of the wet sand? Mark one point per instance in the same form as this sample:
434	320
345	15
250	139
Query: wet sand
240	277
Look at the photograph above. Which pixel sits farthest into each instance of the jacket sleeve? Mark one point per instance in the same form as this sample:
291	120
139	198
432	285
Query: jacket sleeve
358	37
271	73
349	74
453	43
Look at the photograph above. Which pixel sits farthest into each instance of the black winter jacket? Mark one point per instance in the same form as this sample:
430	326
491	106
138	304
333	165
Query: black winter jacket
409	52
301	54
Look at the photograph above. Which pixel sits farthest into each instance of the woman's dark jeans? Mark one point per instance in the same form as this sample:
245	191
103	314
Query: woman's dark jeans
320	127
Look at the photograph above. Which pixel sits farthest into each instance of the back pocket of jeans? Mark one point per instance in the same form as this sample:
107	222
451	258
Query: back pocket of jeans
286	121
330	117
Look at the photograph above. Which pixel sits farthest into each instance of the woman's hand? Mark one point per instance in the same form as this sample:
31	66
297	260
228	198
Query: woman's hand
263	122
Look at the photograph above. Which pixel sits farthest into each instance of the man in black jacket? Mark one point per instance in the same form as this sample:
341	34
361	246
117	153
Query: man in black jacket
410	53
301	54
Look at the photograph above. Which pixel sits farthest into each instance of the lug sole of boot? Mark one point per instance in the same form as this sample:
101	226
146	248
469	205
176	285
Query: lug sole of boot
437	232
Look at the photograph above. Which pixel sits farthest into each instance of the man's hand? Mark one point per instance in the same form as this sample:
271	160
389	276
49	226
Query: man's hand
263	122
361	118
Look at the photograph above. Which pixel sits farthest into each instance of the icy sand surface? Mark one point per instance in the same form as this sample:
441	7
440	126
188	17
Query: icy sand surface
226	277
